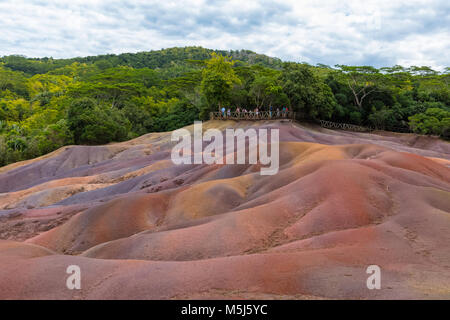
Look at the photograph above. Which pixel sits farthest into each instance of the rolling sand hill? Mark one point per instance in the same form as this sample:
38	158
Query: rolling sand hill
141	227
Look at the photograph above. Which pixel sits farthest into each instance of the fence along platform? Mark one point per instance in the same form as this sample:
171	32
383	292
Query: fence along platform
266	115
262	115
343	126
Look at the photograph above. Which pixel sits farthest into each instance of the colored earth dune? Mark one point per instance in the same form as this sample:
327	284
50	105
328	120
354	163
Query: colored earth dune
140	227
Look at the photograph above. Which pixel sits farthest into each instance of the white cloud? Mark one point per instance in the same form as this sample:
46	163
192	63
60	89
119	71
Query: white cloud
377	33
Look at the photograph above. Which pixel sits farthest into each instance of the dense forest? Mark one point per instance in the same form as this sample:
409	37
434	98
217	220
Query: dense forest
47	103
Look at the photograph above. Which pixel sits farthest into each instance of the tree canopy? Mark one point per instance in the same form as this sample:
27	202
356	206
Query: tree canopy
47	103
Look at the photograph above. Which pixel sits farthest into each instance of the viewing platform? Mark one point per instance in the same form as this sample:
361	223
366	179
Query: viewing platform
262	115
289	116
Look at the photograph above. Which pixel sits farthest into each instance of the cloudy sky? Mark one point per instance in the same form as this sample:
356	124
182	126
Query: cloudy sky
379	33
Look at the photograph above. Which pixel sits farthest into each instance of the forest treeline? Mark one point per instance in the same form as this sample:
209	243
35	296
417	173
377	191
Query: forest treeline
47	103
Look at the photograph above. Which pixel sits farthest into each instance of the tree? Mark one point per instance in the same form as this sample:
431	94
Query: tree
434	121
384	118
13	82
264	87
114	94
422	71
218	78
14	110
54	136
92	124
260	90
362	81
306	92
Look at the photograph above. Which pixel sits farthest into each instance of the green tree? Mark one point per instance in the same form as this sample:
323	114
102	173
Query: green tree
54	136
92	124
362	81
434	121
306	92
218	78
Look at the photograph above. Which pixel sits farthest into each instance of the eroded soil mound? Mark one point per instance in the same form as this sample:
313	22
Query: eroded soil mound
141	227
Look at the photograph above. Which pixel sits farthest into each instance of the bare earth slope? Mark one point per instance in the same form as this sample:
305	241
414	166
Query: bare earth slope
141	227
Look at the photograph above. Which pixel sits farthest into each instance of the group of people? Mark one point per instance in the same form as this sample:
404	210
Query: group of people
255	113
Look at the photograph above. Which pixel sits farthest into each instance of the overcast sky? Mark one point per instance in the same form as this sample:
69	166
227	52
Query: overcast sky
378	33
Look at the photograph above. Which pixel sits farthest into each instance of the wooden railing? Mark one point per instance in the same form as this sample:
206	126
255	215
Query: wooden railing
274	115
250	115
343	126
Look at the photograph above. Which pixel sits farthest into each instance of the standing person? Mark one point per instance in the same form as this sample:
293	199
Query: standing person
238	111
284	112
228	113
256	112
270	111
223	112
278	112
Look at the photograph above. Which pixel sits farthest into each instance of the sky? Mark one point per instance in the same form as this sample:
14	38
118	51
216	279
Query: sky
355	32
